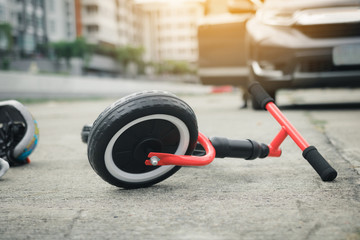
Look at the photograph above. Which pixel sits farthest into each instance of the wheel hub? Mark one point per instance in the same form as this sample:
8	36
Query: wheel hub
146	146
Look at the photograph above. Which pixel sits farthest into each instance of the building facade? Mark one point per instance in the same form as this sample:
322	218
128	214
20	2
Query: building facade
27	19
170	30
129	23
99	21
166	29
111	22
60	20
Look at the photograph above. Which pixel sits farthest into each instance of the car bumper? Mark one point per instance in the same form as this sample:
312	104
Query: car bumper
297	79
282	57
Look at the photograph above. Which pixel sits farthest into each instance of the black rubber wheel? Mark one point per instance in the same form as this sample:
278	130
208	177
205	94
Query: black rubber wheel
125	132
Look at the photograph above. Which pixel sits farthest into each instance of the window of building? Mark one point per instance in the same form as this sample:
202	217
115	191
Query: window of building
39	23
92	28
19	18
91	9
13	18
51	5
69	29
29	43
39	3
69	34
29	20
68	8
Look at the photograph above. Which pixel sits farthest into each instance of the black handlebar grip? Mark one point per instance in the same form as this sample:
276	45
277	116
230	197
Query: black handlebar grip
321	166
259	93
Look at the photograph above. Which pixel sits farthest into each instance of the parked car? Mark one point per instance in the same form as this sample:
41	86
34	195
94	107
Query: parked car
286	44
304	44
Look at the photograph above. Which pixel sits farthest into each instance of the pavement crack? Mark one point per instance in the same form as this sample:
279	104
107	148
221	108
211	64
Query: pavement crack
73	222
339	151
321	126
313	230
306	215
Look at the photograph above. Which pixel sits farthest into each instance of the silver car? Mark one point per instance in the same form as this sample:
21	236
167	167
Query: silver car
304	44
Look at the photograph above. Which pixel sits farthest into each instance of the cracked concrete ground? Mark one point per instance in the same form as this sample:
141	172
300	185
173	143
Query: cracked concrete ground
59	196
336	115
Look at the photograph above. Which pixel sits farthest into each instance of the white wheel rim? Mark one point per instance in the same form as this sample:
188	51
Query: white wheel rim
143	177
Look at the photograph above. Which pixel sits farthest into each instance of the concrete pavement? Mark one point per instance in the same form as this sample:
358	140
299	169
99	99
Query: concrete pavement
59	196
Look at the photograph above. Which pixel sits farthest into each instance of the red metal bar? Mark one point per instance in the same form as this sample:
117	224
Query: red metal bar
274	146
187	160
287	126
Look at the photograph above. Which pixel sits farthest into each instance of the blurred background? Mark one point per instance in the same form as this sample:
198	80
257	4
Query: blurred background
104	38
282	44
